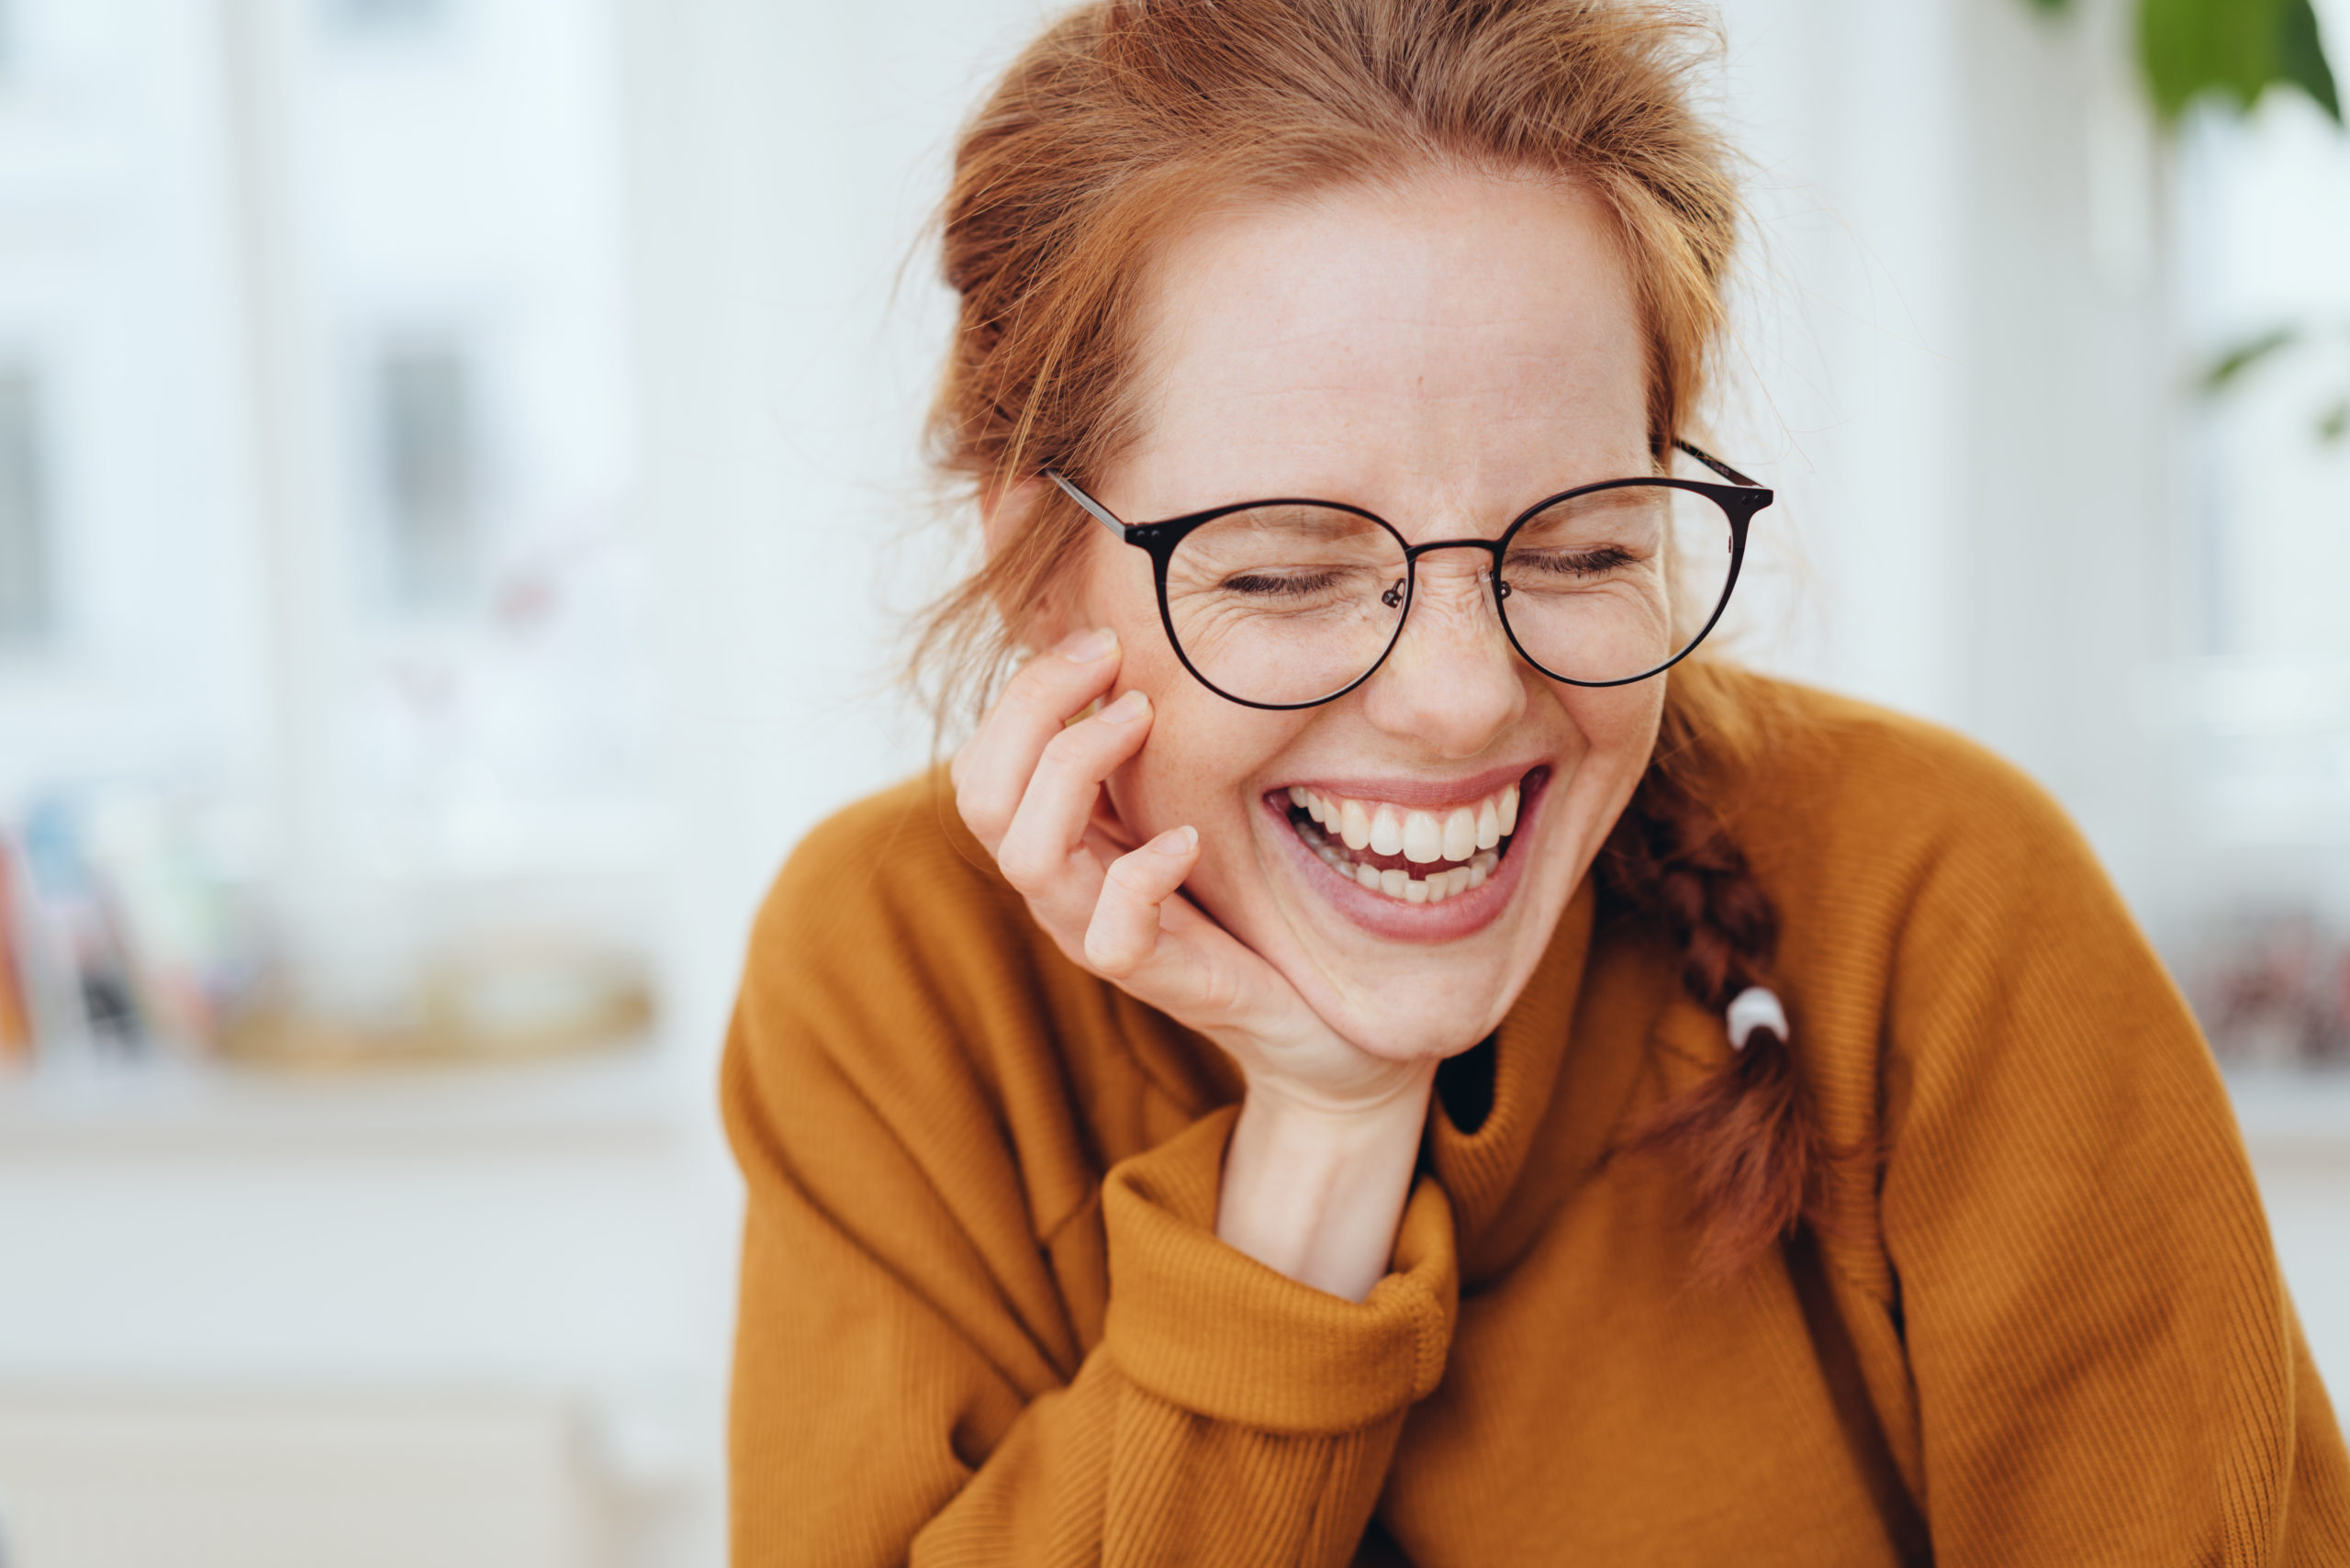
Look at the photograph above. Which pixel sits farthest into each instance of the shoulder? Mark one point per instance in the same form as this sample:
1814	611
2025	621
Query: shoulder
891	983
897	990
1830	795
898	864
888	920
1943	924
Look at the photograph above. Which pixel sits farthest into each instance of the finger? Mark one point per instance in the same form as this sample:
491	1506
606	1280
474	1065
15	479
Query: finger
1045	844
1124	935
990	773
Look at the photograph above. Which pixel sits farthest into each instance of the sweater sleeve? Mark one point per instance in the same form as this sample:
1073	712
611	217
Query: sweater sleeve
2107	1369
909	1384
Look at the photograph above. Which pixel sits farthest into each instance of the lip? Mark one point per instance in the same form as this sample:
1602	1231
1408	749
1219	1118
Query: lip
1425	794
1461	915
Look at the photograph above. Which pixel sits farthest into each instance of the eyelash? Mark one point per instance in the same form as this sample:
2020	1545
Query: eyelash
1590	564
1282	587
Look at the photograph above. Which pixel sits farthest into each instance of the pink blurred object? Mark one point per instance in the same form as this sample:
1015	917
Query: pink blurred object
2274	990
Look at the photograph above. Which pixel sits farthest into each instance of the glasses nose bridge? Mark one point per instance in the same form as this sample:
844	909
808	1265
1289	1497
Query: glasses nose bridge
1488	569
1475	594
1492	547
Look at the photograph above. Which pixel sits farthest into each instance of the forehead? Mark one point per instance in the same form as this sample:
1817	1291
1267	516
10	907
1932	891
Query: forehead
1455	346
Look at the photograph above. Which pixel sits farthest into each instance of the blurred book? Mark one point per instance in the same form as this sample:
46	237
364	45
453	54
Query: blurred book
129	927
16	1008
77	972
122	936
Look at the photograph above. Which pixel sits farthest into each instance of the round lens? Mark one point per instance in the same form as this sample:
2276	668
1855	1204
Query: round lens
1613	585
1285	604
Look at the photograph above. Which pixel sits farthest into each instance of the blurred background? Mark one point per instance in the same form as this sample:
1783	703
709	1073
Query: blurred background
458	494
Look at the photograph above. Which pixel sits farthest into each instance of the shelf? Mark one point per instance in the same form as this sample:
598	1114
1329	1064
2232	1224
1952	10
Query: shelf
633	1094
639	1094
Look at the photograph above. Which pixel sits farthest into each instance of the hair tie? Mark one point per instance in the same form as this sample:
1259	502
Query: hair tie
1752	1009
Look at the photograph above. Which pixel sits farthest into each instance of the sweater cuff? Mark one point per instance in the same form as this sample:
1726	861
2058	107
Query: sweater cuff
1207	1327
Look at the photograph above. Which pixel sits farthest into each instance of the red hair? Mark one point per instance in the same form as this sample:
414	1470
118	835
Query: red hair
1128	118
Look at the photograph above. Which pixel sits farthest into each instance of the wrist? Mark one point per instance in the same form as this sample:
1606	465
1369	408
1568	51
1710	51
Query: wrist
1334	1129
1316	1191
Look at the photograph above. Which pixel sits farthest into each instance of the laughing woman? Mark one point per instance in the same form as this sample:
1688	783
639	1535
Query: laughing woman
1372	1054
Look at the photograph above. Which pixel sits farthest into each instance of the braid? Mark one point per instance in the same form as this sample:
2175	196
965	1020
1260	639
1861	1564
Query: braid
1744	1136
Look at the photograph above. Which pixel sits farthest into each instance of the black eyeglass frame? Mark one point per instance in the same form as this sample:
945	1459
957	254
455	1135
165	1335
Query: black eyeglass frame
1739	500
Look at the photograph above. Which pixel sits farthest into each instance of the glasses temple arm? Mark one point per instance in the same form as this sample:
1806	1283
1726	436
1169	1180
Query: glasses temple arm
1099	513
1709	459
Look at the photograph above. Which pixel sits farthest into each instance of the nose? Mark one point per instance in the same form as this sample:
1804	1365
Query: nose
1452	683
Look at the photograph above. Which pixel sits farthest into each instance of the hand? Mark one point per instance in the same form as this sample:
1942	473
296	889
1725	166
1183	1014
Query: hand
1030	787
1319	1165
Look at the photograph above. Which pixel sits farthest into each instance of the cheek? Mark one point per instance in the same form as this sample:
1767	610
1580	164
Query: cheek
1201	748
1619	724
1618	727
1118	593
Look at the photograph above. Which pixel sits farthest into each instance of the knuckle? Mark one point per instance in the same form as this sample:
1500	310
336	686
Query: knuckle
1068	747
984	816
1109	956
1223	993
1127	877
1086	751
1039	686
1021	865
1030	860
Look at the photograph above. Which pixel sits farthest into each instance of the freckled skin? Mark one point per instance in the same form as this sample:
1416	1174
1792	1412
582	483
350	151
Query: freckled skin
1444	353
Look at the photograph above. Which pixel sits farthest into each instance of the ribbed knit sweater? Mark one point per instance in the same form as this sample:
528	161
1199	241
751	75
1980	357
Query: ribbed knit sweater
985	1316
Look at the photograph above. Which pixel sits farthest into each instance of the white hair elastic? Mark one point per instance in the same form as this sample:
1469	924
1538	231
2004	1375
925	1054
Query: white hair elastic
1752	1009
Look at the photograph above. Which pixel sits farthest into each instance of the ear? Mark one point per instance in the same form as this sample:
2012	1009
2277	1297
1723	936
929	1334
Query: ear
1004	514
1005	511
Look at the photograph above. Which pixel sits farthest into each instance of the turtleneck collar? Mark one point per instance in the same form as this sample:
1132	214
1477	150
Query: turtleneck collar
1565	1061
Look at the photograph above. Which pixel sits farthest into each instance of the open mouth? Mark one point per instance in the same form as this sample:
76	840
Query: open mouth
1410	853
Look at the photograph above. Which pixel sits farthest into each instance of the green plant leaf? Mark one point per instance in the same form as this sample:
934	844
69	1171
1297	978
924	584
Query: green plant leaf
2225	371
2188	47
2301	57
2050	7
2334	423
2235	49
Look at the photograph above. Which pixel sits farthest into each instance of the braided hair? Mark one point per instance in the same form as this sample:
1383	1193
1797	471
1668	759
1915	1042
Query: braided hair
1754	1160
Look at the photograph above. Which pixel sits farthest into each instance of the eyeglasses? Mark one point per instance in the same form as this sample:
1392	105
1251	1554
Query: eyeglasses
1289	603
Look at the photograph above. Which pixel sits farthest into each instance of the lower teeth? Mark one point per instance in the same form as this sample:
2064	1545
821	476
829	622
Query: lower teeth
1435	888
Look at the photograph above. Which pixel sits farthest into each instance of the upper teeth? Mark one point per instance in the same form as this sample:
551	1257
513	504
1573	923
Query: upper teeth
1419	837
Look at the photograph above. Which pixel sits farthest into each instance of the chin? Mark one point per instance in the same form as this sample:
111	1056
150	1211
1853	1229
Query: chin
1432	1038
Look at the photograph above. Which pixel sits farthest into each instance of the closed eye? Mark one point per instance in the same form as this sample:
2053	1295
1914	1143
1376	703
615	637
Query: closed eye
1283	585
1571	563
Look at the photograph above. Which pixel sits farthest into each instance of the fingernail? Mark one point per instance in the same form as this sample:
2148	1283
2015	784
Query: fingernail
1177	841
1126	708
1084	647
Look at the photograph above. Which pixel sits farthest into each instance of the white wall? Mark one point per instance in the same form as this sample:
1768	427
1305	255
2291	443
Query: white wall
1959	355
784	160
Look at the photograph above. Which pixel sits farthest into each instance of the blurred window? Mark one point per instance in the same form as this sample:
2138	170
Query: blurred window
350	569
371	16
25	588
425	432
2266	223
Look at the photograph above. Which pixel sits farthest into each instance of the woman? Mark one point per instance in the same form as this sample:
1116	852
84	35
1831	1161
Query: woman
1371	1055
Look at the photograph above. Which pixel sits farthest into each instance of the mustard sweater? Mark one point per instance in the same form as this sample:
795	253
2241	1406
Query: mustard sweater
985	1318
